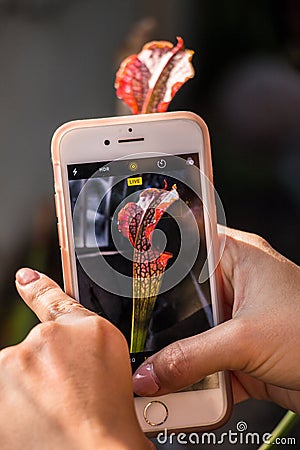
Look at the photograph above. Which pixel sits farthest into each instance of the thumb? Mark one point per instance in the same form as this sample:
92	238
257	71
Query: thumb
186	362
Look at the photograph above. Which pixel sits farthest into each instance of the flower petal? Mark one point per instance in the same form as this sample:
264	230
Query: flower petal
147	82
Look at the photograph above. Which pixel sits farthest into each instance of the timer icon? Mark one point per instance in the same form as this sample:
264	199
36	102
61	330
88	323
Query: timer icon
161	163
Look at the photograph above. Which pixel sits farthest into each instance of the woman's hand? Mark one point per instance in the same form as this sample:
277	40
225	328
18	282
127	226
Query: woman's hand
68	385
260	343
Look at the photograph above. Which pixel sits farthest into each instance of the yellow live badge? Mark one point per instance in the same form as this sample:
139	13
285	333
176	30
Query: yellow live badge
134	181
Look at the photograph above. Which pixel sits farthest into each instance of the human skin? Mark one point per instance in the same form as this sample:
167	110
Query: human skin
259	342
68	385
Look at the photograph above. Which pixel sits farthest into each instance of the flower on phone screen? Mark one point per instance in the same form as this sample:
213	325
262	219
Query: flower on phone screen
137	222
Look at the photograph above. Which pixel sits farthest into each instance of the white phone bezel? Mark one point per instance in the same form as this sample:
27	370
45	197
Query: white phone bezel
169	134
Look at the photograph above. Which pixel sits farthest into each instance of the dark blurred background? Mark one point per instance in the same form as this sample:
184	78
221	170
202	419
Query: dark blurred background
58	62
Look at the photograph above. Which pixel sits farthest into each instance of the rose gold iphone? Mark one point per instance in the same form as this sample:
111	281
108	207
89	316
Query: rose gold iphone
137	230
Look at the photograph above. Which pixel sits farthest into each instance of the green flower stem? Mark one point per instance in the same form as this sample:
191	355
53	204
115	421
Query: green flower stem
284	426
141	315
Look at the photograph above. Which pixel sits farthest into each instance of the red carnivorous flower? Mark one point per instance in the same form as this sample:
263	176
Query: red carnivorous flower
148	81
137	221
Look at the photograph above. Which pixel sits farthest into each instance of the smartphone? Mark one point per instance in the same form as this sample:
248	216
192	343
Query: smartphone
137	230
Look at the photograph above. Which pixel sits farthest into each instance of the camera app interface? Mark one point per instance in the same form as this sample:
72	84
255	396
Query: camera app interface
139	239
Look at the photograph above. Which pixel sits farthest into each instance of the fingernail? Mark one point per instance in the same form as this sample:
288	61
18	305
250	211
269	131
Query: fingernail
26	276
145	381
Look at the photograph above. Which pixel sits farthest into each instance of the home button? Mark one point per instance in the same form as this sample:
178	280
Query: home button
155	413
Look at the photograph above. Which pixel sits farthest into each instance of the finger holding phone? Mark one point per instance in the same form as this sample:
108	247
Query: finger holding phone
68	384
260	341
58	390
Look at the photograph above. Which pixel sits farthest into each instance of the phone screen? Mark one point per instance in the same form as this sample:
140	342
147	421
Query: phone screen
131	220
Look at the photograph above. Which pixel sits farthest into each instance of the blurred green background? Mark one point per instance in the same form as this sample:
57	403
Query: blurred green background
59	59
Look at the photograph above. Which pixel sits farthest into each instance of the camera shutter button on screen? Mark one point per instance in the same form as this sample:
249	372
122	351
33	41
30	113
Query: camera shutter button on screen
155	413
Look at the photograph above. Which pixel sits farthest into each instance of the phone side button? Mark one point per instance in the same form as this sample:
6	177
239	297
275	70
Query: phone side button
60	235
155	413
